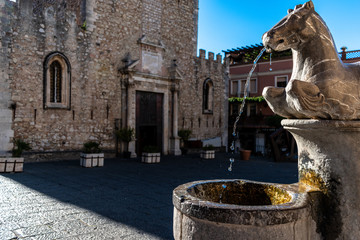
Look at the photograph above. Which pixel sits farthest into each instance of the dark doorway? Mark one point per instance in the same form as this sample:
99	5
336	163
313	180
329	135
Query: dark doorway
149	120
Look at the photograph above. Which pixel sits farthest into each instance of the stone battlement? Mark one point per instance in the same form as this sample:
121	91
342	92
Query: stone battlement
202	55
209	64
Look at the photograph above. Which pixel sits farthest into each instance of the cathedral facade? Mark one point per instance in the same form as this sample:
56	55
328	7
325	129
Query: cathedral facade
74	71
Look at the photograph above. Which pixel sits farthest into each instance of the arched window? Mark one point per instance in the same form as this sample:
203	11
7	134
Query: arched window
57	82
208	96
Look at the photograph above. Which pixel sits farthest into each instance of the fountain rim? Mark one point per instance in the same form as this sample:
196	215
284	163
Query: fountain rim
241	214
311	124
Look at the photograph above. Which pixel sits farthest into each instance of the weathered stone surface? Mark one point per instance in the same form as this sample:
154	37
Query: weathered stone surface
96	36
321	86
204	210
328	153
6	130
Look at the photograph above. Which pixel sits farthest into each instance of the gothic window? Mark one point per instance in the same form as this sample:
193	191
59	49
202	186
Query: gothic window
208	96
57	81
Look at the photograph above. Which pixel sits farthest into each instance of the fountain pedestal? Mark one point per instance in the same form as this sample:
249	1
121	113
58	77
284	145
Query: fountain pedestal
241	209
329	154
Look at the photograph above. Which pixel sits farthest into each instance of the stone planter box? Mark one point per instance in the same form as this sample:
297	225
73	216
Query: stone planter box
207	154
150	157
92	159
11	164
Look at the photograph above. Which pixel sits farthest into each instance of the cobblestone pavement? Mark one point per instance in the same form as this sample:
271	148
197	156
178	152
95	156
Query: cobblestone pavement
125	199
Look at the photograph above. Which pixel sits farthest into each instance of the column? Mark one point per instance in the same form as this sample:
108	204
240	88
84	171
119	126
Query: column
130	114
175	140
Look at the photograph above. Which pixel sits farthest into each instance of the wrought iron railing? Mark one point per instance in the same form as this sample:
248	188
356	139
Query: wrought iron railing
348	55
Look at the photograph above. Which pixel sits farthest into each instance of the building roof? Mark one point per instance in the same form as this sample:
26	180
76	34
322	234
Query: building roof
247	54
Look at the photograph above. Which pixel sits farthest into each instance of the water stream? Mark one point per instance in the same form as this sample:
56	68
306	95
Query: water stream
246	93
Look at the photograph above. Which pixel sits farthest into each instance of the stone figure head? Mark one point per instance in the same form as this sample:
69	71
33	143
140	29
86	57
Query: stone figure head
292	30
321	86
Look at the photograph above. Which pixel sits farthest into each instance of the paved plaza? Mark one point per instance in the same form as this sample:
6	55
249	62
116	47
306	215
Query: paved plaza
125	199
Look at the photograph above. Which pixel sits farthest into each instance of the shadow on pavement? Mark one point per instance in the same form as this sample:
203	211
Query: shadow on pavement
137	194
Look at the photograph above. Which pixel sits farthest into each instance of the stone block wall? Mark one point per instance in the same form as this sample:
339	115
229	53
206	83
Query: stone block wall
6	113
96	36
192	116
40	28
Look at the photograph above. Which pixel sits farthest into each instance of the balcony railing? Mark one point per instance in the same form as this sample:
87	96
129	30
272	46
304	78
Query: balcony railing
349	55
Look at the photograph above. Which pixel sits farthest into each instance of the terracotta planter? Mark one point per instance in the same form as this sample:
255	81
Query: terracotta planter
11	164
92	159
150	157
245	154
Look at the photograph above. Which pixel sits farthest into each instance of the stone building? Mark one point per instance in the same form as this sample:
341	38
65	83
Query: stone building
74	71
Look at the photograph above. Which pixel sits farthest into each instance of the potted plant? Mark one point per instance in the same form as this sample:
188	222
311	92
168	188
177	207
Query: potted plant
151	154
208	152
245	154
16	162
92	155
245	149
184	135
126	135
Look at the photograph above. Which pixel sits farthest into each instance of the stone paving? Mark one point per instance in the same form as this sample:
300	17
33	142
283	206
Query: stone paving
125	199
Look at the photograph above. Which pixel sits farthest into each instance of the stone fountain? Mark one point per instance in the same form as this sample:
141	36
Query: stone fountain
322	104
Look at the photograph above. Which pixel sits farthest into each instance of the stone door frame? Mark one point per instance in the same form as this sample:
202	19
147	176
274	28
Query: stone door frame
150	84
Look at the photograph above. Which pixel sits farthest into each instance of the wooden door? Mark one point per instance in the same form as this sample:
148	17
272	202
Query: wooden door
149	120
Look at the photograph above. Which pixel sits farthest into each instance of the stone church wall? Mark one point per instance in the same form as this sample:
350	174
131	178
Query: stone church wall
6	131
96	36
205	125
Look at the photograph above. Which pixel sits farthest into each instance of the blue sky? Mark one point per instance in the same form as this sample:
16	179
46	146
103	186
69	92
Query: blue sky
226	24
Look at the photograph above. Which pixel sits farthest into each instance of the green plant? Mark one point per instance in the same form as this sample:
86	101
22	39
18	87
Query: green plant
184	134
92	147
125	135
83	26
248	99
208	147
151	149
250	55
19	147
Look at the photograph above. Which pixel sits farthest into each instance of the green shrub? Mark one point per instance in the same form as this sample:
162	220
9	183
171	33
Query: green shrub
92	147
125	134
184	134
208	147
19	147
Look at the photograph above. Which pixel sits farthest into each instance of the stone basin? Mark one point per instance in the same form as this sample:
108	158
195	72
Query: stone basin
240	192
227	209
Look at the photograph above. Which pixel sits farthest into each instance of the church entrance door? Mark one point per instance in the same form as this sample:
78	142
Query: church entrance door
149	120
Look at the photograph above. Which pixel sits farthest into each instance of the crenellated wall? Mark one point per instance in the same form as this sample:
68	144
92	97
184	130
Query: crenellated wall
205	124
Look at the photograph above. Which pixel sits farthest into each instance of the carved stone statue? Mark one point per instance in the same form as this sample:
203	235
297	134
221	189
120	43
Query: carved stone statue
321	86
